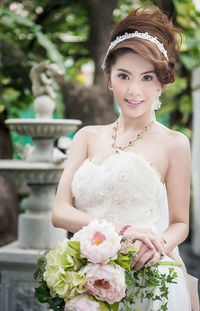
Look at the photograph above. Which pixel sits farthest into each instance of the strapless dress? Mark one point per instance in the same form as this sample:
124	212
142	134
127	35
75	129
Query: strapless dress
125	188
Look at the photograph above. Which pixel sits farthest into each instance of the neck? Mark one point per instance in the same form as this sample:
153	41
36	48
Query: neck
127	124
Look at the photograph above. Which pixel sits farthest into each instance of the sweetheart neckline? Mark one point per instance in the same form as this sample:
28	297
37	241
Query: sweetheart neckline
129	153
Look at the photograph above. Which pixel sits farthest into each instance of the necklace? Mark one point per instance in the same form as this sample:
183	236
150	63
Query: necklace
131	142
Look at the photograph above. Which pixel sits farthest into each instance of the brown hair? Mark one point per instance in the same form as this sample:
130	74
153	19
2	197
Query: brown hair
152	20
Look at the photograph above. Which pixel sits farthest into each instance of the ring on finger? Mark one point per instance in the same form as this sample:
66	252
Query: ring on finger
162	255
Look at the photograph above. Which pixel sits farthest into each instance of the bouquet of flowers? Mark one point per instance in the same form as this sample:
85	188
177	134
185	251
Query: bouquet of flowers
92	272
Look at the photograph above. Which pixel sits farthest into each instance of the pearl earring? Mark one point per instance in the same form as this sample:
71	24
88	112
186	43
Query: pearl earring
110	88
157	104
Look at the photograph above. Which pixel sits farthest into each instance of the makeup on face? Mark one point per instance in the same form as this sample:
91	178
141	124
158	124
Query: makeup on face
134	82
133	104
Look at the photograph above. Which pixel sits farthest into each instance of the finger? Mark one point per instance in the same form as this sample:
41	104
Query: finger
137	244
144	239
157	242
149	255
154	259
143	249
152	240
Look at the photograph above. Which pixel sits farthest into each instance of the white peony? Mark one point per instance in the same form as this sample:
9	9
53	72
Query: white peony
105	282
99	242
82	303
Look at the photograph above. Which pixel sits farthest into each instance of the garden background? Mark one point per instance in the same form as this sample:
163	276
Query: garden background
74	35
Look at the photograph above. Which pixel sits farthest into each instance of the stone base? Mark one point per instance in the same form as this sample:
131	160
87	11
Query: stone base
17	266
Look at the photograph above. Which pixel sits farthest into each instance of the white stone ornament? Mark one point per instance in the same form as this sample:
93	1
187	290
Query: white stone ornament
41	169
136	34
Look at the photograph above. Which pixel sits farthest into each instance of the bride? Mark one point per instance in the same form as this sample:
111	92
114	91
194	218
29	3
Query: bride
119	172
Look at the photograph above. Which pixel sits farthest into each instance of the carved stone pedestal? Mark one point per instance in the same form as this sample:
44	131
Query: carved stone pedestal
41	169
17	266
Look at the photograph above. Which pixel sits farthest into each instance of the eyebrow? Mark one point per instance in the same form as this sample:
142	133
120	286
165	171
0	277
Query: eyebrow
124	70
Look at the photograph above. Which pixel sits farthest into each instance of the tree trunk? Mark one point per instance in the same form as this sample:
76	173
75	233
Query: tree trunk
8	195
167	7
93	105
100	20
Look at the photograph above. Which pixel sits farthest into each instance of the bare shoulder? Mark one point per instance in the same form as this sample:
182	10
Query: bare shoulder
84	134
179	142
89	130
174	148
86	137
174	140
85	130
93	132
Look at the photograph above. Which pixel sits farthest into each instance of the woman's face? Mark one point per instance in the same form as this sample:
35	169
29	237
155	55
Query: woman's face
134	83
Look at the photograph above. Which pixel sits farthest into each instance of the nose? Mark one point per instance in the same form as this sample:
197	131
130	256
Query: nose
134	88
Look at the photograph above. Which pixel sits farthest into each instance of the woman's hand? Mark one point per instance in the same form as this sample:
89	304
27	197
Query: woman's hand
146	235
150	246
145	256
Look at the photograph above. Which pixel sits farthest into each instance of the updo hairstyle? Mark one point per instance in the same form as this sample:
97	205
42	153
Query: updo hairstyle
152	20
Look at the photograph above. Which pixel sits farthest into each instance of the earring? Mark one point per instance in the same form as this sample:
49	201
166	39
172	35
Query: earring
110	88
157	104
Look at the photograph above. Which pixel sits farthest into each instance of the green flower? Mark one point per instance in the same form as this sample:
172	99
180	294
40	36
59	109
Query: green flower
61	271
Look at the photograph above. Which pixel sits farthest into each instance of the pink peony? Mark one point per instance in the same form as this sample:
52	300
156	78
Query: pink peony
82	303
105	282
99	242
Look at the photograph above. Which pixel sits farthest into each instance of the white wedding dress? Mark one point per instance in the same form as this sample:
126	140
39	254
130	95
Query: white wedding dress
127	189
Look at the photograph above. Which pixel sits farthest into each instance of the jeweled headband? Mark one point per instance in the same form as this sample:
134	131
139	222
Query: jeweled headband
136	34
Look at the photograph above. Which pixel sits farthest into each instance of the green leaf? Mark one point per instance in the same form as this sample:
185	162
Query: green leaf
50	48
169	263
104	306
74	245
20	20
38	274
115	306
132	249
42	294
55	303
189	61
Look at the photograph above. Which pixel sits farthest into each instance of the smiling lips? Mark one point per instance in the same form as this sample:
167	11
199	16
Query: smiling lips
133	103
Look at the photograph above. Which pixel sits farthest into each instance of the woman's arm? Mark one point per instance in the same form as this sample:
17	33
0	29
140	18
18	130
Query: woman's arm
178	191
64	215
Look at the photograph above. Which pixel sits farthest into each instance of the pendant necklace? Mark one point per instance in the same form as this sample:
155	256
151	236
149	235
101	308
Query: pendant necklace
118	148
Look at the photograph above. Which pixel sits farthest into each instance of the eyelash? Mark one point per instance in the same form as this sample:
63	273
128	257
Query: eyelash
124	76
149	76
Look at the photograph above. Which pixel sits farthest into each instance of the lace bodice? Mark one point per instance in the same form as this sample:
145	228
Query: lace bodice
125	189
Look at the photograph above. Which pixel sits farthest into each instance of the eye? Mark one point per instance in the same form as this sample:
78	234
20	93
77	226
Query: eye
147	78
123	76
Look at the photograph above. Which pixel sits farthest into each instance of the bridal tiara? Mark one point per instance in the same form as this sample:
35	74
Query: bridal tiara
136	34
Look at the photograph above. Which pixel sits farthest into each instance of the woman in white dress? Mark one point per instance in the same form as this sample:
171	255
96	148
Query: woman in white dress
119	172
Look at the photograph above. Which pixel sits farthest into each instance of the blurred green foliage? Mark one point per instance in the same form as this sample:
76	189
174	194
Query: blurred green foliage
32	31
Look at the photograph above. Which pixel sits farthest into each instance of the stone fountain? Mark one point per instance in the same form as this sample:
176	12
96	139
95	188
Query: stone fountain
41	170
